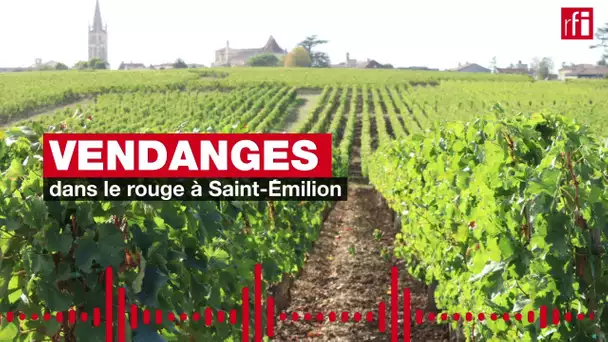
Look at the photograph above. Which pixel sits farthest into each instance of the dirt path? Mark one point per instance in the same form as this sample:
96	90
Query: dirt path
309	100
44	111
347	271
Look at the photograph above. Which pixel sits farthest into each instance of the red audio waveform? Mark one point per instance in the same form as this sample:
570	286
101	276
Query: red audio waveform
271	317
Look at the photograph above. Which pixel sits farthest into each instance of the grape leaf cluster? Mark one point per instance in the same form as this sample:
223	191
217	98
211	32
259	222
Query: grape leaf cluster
505	213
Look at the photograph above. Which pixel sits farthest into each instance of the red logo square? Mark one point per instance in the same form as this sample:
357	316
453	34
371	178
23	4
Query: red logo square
577	23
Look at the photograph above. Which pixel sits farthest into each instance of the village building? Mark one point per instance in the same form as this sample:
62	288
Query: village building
582	71
366	64
470	67
39	65
131	66
163	66
239	57
518	69
98	38
515	71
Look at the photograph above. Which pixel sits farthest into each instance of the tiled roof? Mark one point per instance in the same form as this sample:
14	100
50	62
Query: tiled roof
577	66
586	69
513	71
462	67
272	46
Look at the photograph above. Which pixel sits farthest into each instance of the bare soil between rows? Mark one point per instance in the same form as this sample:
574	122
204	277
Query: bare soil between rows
346	271
46	110
300	112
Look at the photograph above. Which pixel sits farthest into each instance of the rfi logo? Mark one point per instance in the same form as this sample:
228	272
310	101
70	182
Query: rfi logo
577	23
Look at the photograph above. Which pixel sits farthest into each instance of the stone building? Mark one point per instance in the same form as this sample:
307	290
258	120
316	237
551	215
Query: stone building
163	66
229	56
582	71
98	37
517	69
131	66
366	64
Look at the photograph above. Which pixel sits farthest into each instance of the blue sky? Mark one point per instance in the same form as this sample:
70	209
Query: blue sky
434	33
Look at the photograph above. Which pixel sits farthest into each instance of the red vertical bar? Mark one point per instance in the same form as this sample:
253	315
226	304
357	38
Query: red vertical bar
96	317
406	315
245	315
121	314
146	316
232	316
133	317
159	316
72	316
394	304
208	316
270	317
257	302
555	320
530	316
543	316
419	316
109	304
382	316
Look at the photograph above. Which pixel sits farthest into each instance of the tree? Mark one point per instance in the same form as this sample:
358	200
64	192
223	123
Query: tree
81	65
602	35
263	60
319	59
542	67
298	57
61	66
180	64
97	64
493	64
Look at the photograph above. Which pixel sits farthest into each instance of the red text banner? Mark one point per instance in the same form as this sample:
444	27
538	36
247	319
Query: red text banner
139	155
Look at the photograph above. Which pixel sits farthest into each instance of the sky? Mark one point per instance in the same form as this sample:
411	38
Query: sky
433	33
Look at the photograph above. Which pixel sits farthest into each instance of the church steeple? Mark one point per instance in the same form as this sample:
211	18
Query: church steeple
98	37
97	23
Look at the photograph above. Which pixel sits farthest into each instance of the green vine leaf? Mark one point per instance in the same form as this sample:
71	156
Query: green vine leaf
87	252
59	240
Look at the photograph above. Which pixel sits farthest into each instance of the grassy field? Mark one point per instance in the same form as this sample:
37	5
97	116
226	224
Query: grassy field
200	254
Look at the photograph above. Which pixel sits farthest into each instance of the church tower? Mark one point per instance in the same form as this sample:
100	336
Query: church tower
98	37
